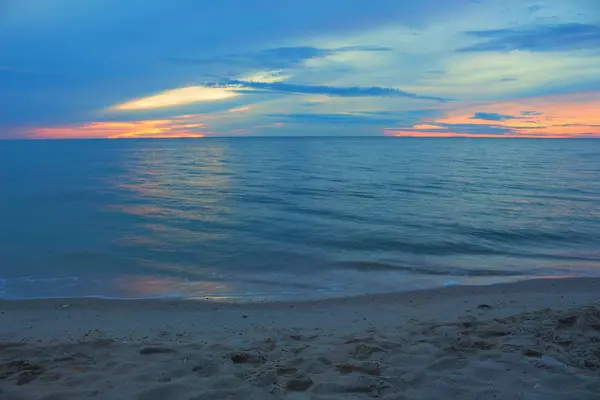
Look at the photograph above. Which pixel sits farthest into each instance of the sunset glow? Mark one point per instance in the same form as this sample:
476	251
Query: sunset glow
574	115
435	68
122	130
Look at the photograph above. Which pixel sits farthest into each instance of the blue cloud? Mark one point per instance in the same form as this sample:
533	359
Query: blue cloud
472	129
542	38
347	91
530	113
492	116
332	119
277	58
97	55
407	117
100	53
478	129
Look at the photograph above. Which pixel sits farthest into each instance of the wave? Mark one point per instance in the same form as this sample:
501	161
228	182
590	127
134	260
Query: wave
432	248
382	266
521	236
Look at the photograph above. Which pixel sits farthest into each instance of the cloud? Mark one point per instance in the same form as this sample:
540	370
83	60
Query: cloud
132	39
492	116
542	38
450	130
331	118
366	117
266	76
276	58
230	88
476	129
286	60
560	116
177	97
477	76
177	127
531	113
240	109
465	129
554	117
240	86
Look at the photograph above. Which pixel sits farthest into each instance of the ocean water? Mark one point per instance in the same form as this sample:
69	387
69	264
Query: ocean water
272	218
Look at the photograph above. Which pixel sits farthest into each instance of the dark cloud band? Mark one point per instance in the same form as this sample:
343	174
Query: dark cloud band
543	38
345	91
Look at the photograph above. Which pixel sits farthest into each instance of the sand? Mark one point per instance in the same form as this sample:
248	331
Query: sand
538	339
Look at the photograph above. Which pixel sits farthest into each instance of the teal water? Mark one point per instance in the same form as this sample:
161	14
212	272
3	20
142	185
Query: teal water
277	218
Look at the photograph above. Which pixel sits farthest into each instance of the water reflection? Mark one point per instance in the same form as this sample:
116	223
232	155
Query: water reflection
225	210
179	194
155	286
295	217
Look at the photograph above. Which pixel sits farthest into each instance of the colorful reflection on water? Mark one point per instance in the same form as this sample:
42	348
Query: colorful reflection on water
272	218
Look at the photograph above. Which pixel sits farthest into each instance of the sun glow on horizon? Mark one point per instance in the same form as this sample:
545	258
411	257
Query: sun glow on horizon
158	129
560	116
432	134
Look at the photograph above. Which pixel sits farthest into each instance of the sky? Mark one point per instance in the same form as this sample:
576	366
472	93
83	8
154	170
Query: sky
199	68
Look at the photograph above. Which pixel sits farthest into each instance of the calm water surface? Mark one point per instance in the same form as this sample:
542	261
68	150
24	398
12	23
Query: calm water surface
252	218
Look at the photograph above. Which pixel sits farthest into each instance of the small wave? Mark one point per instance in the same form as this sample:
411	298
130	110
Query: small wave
521	236
418	190
124	288
309	192
432	248
330	214
28	279
382	266
595	155
259	199
577	195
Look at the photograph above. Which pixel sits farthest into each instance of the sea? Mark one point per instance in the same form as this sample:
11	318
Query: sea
247	219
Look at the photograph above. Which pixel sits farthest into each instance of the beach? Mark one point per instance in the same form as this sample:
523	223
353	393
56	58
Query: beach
300	200
536	339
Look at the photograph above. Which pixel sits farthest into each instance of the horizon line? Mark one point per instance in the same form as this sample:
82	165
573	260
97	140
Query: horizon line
305	137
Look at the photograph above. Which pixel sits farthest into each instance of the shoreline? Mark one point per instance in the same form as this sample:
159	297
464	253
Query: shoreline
535	284
529	339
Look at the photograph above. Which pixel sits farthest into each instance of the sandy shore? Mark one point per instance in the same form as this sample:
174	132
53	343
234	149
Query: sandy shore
538	339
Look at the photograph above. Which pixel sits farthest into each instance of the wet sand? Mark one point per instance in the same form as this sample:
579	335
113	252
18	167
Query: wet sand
538	339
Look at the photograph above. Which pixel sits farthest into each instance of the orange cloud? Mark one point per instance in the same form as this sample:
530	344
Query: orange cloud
178	127
177	97
239	109
431	134
559	116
